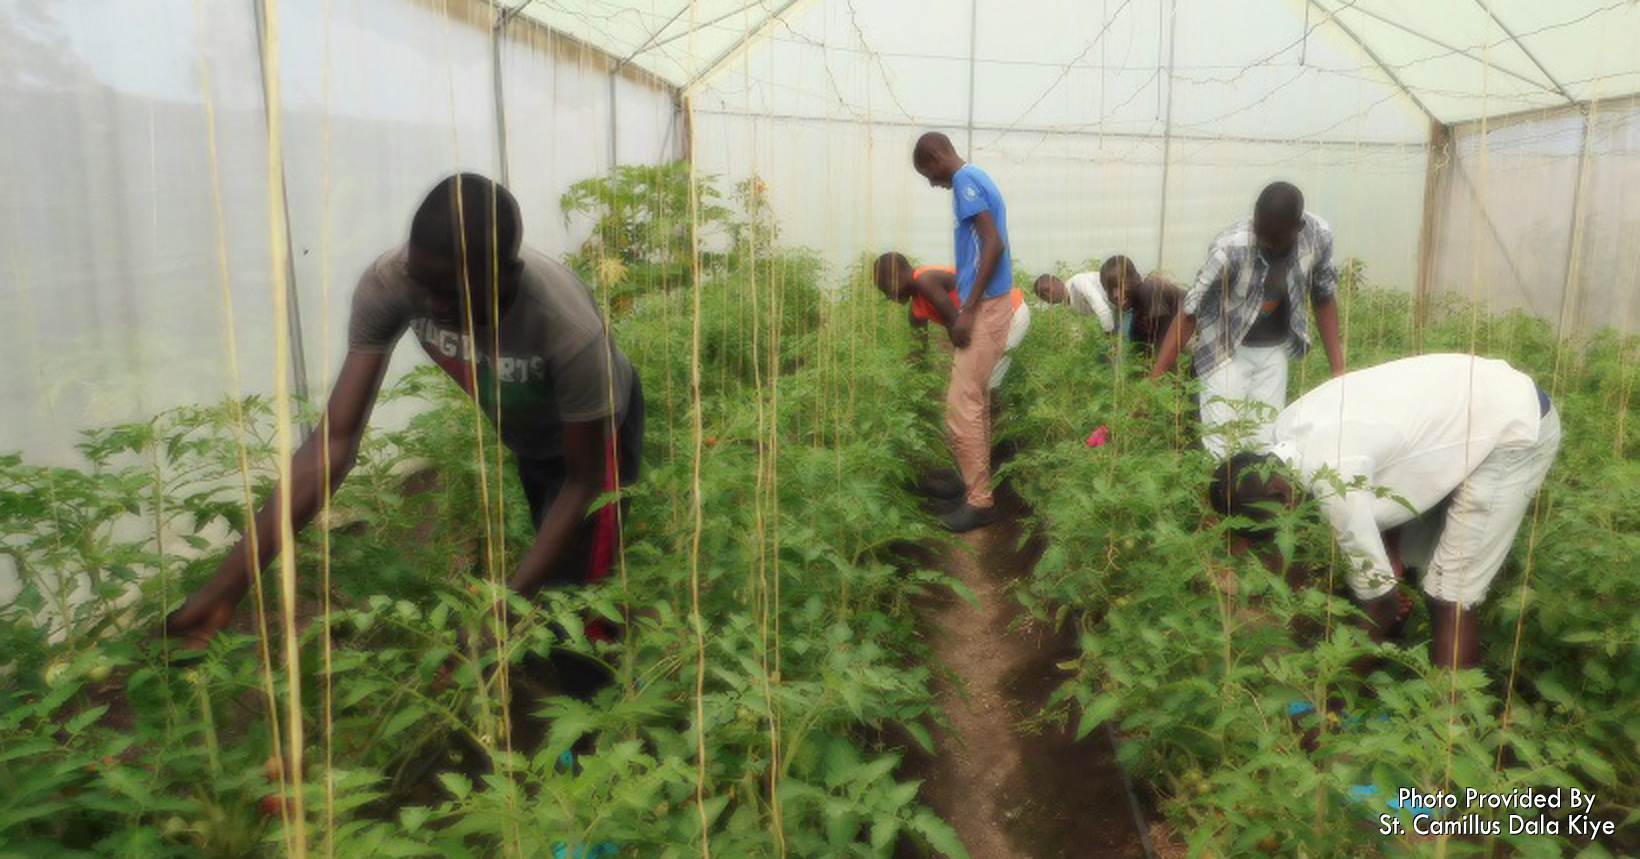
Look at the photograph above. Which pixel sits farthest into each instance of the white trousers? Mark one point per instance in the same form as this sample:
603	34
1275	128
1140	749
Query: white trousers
1463	548
1241	398
1020	324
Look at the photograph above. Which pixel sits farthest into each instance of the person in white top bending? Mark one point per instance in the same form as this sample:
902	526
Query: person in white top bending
1083	293
1431	460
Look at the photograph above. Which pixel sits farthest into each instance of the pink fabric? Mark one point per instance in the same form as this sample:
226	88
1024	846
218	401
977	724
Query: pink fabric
605	540
968	399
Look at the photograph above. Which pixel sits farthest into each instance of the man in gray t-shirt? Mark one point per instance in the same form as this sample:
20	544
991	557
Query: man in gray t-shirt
514	328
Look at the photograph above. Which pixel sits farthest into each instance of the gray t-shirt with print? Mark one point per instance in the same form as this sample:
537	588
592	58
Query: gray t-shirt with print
556	362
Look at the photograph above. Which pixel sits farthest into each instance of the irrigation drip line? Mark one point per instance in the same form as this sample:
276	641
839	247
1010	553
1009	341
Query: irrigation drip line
1133	797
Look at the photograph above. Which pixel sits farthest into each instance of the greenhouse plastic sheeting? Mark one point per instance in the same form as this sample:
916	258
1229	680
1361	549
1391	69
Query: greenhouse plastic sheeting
110	292
1534	214
1084	135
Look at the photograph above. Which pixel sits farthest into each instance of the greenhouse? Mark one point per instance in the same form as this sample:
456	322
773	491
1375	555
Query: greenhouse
493	428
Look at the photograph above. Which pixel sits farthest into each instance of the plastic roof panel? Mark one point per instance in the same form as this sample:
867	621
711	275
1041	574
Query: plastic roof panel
674	40
1237	67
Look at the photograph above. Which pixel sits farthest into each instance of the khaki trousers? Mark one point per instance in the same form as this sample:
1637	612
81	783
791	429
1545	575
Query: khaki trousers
968	399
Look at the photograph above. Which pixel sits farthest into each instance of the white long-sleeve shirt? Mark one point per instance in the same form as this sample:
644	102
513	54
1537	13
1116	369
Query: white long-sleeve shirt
1414	428
1087	295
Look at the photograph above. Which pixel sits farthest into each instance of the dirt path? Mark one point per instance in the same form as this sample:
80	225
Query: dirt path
1013	791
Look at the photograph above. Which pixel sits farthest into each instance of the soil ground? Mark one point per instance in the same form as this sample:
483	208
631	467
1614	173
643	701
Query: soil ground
1013	788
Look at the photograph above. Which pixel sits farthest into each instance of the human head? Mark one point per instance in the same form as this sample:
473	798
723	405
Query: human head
893	276
1052	290
466	235
1118	275
1244	485
1277	217
936	159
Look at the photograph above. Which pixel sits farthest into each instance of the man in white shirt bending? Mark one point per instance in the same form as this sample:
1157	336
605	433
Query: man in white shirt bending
1443	451
1083	292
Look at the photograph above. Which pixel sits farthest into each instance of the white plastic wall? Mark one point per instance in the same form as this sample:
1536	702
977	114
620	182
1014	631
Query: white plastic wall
1534	215
111	301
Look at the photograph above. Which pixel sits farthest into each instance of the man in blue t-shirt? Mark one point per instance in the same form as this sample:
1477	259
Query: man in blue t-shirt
980	333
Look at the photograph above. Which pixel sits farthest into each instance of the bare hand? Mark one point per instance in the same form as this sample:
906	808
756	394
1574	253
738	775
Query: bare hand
962	331
197	621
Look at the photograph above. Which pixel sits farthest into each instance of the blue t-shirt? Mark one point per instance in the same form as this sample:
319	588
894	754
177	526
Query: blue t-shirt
972	192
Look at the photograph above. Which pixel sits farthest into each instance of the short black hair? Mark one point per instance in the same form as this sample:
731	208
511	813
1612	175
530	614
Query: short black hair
888	265
1117	263
934	143
473	222
1240	484
1280	203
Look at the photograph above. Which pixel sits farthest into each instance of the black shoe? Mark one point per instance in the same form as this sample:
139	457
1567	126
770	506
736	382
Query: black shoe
967	518
944	506
942	484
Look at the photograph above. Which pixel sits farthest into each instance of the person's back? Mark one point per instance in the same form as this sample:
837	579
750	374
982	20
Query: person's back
1427	462
1414	427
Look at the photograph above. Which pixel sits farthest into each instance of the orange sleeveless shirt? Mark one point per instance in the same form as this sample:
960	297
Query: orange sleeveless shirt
922	309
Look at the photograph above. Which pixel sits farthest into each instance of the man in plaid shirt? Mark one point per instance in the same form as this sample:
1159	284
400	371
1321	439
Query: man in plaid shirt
1250	310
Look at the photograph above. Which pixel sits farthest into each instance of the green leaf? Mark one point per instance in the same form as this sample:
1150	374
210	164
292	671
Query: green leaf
456	784
939	835
1101	710
85	718
414	816
921	736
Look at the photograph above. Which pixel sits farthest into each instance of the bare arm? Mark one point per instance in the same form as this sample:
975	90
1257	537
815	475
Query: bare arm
324	458
584	449
1324	303
1326	319
990	255
936	289
1178	334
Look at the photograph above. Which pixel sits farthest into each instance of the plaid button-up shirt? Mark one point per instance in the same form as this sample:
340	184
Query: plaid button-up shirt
1230	287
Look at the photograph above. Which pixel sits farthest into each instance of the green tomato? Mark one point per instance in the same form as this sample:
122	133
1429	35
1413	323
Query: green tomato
99	670
56	673
174	825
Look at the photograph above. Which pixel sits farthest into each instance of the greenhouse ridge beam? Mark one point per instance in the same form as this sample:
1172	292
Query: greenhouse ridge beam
1485	7
650	42
634	72
1373	55
685	34
752	32
1454	49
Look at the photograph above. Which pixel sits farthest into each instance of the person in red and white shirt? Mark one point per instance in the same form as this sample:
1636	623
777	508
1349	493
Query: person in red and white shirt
930	293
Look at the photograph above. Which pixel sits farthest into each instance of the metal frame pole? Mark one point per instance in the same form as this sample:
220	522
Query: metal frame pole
293	310
1167	127
973	48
